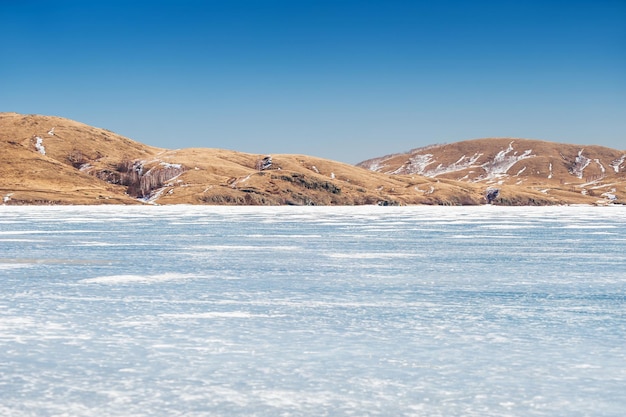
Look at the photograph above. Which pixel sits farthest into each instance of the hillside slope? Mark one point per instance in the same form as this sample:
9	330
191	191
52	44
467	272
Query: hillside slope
52	160
554	169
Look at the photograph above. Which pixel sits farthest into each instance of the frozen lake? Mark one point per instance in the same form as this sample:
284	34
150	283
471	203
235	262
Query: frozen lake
307	311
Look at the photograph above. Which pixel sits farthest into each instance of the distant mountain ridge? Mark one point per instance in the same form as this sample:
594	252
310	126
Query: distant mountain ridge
53	160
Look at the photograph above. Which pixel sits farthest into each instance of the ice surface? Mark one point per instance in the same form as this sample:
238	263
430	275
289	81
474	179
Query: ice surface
309	311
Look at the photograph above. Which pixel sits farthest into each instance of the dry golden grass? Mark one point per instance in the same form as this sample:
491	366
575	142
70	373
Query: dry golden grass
87	165
574	174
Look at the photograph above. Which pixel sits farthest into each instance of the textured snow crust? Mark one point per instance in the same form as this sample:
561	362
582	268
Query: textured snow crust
307	311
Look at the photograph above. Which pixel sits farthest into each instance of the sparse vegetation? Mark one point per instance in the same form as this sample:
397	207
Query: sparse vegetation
86	165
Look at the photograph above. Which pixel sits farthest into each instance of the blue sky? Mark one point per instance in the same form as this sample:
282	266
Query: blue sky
340	79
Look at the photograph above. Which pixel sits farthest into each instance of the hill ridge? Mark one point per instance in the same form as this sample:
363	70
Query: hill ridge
53	160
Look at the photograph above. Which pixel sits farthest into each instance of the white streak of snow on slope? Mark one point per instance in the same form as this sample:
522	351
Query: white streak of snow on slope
609	196
597	161
617	164
417	165
7	198
374	166
377	164
51	132
502	162
580	163
168	165
239	181
39	145
550	174
464	162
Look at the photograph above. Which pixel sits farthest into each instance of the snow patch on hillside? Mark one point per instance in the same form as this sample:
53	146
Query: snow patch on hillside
168	165
580	163
416	165
610	196
502	162
7	198
597	161
240	181
617	164
39	145
376	164
550	174
462	163
51	132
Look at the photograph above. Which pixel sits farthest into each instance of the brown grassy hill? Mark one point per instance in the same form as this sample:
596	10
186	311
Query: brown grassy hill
559	170
52	160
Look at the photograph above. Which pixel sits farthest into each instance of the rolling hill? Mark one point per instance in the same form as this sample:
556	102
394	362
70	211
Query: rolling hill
53	160
559	170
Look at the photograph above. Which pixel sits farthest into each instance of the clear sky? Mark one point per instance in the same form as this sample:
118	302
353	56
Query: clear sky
340	79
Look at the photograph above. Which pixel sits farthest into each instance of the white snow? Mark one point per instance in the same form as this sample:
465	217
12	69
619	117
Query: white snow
7	198
345	325
142	279
550	174
217	315
374	166
240	180
51	132
580	163
39	145
154	196
168	165
314	168
499	166
462	163
617	164
416	165
502	162
597	161
332	175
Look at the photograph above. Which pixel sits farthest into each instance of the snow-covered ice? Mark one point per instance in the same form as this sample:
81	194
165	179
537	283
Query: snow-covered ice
308	311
